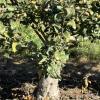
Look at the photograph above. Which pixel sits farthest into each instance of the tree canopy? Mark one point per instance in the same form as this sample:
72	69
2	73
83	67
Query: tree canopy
46	29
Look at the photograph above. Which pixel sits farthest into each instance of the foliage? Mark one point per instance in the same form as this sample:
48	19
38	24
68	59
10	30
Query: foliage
90	50
46	29
86	48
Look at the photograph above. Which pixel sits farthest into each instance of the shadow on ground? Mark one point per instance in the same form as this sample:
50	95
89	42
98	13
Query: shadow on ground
73	75
14	74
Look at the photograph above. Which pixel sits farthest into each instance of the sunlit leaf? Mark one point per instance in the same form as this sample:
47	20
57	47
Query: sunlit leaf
60	55
2	1
72	24
2	28
14	47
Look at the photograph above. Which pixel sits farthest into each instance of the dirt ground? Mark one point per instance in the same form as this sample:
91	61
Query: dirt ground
18	78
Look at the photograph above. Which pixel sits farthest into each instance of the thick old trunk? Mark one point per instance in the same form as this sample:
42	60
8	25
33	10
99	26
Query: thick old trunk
48	89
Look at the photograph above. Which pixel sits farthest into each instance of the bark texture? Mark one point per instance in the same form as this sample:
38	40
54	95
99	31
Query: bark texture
48	89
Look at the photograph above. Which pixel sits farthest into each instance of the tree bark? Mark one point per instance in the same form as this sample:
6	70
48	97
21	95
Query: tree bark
48	89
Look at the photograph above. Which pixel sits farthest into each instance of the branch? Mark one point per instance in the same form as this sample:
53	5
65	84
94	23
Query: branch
42	39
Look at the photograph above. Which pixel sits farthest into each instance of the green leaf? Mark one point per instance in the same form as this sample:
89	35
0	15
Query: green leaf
2	28
14	46
70	11
72	24
60	56
6	55
42	27
10	8
54	69
43	60
27	33
2	1
59	7
8	1
14	24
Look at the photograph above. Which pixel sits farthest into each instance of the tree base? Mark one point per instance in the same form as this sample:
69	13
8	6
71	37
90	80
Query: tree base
48	89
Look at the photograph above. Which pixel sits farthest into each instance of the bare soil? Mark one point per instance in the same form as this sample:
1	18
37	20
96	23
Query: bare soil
19	80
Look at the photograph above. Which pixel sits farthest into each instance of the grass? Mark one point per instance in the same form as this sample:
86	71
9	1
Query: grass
88	49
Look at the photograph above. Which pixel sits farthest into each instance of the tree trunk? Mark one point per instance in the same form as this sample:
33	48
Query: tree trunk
48	89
